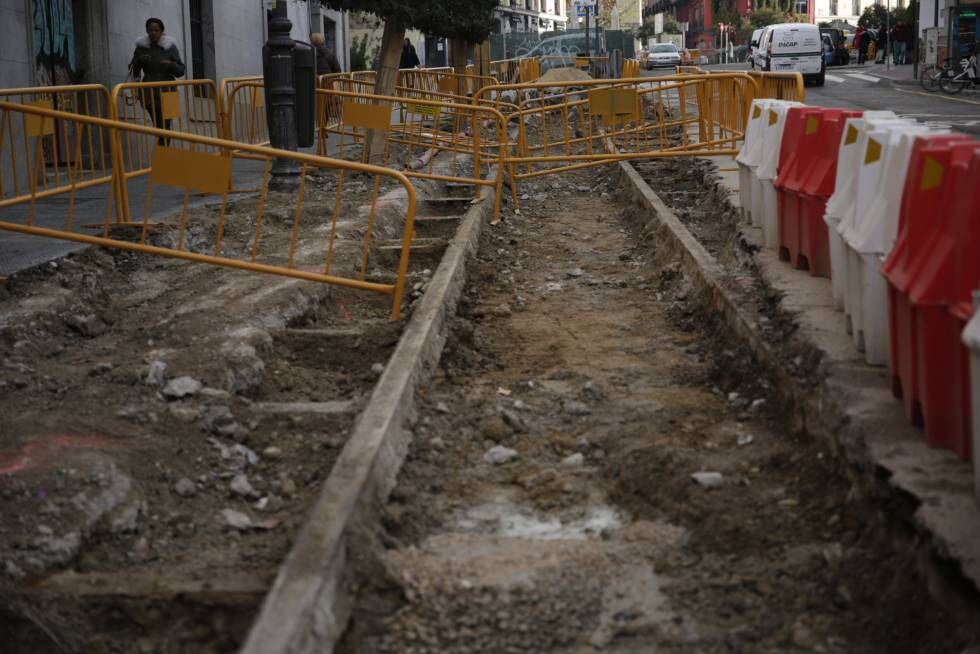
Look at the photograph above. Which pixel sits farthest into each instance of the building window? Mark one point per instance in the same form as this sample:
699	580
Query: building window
833	7
856	8
802	7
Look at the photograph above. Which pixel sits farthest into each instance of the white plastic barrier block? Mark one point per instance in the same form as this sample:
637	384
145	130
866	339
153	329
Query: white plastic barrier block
841	203
870	239
750	156
876	139
971	338
764	205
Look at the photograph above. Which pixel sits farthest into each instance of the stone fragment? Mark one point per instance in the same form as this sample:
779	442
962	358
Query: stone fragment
182	387
499	455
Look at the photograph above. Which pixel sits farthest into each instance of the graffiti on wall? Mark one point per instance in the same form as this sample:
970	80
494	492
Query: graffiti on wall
54	41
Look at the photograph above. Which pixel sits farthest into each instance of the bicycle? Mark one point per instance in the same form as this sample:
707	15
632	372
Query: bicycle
966	76
930	76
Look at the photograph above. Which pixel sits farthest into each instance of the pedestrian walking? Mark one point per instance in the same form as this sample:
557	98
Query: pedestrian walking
863	46
156	59
899	35
857	43
410	58
881	47
326	61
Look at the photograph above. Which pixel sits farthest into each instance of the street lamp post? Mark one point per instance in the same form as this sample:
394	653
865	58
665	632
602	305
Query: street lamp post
281	91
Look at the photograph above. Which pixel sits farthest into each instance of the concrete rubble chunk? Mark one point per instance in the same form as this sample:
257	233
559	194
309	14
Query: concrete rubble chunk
157	374
708	479
185	488
182	387
242	487
236	519
499	455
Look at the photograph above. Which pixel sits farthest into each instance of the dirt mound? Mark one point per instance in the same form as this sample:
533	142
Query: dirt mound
565	75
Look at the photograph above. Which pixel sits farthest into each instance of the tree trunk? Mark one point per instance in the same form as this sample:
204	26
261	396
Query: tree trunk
457	59
391	53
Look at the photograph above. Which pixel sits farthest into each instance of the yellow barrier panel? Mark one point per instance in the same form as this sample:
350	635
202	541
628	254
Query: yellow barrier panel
780	86
310	248
243	116
562	126
419	131
43	157
631	69
185	106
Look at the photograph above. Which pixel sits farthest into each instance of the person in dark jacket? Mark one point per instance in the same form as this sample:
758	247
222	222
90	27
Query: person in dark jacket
326	60
156	59
863	46
881	47
410	58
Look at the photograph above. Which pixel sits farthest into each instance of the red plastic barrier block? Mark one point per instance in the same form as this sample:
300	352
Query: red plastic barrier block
943	282
797	150
817	185
927	194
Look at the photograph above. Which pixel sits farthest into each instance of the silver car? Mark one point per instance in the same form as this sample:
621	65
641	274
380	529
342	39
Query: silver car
663	54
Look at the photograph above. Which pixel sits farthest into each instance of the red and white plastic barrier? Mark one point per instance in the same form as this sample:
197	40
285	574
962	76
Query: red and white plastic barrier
889	209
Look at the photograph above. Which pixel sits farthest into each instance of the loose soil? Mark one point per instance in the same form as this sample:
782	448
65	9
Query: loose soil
114	503
581	347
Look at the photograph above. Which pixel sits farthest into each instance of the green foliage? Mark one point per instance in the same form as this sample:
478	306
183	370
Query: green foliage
646	30
766	16
360	58
874	17
469	20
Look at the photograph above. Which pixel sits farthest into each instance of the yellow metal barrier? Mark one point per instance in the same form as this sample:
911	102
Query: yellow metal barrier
529	70
42	157
506	71
473	136
310	248
563	126
631	69
184	106
780	86
690	70
243	110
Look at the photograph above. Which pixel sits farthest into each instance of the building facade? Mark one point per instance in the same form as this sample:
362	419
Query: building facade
849	11
530	16
955	24
91	41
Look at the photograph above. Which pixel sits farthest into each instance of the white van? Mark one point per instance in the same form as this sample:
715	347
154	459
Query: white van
754	46
789	47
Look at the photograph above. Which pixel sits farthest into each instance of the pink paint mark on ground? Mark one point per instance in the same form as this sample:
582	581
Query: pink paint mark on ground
344	311
42	450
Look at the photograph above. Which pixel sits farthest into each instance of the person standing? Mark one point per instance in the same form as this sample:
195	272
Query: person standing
156	59
881	47
863	47
858	35
326	61
410	58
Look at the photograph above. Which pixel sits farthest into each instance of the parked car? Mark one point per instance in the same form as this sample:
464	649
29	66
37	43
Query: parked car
790	47
754	46
839	41
663	54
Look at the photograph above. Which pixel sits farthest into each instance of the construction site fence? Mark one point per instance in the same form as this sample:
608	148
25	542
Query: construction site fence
780	86
564	126
312	248
418	131
243	110
41	157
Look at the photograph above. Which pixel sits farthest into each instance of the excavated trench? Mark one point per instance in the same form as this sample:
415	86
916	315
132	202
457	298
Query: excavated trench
599	465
